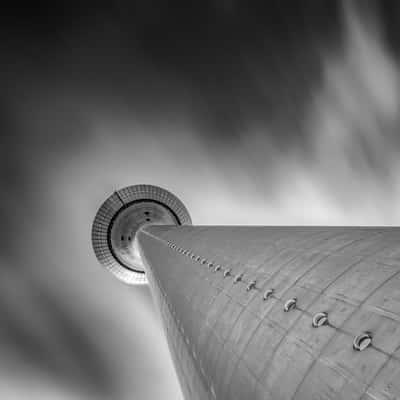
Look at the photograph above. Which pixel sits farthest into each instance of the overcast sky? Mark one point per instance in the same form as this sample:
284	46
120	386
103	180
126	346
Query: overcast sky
260	112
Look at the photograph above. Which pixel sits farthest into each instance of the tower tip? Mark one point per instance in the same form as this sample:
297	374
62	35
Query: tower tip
121	216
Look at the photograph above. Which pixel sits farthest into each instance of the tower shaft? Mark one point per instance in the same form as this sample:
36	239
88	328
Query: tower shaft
278	312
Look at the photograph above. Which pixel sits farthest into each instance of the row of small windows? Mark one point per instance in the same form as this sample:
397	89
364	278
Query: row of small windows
360	342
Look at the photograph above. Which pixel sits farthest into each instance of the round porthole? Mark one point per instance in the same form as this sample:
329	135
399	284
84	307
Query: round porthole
268	293
290	305
320	319
362	341
227	272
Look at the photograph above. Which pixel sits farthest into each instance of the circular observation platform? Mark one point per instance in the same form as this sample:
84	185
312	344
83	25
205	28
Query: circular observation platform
121	216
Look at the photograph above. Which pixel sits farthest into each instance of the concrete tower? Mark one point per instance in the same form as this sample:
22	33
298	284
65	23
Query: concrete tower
262	312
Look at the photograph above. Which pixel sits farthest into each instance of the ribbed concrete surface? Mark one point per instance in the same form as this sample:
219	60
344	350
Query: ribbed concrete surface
230	343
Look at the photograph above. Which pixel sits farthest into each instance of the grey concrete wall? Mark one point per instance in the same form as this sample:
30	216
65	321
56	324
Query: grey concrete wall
230	343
